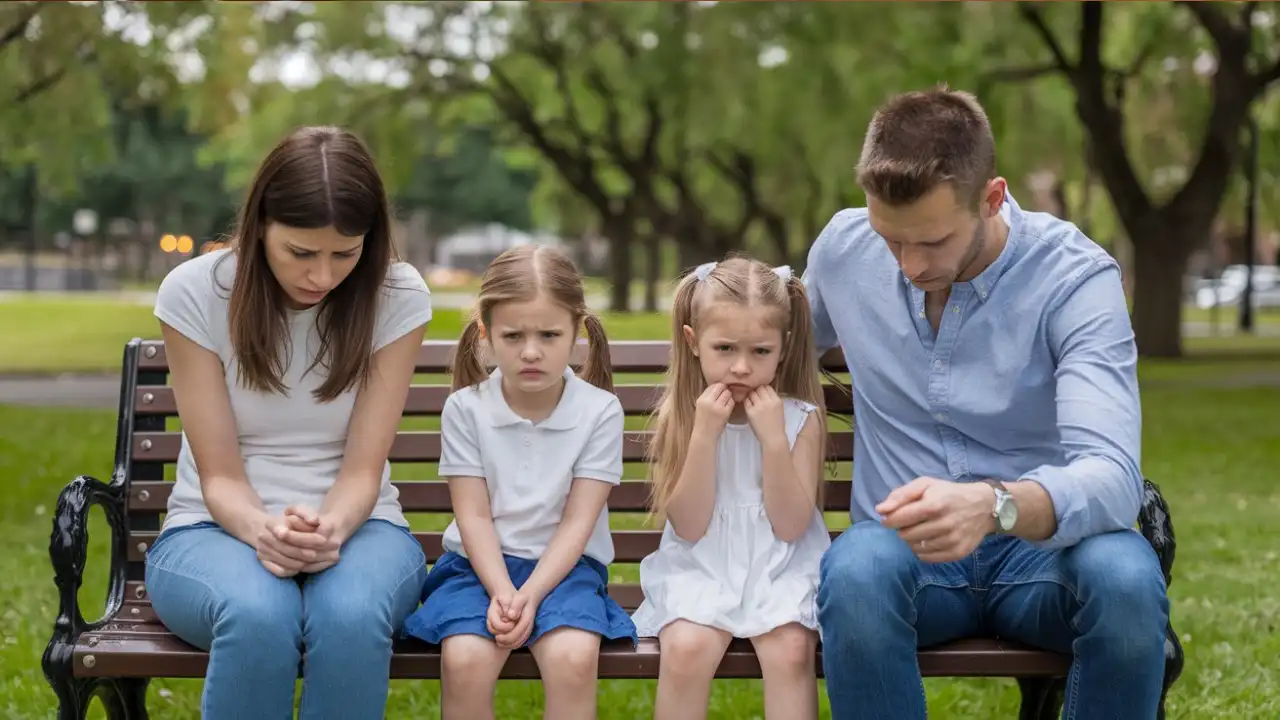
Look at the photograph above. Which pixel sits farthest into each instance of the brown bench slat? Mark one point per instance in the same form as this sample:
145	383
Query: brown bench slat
630	546
435	356
424	446
628	595
634	356
433	496
425	400
151	651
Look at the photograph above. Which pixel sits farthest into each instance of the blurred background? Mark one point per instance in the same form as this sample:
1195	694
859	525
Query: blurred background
647	137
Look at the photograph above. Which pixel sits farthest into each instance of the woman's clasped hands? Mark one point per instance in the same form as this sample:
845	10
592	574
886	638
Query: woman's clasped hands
299	540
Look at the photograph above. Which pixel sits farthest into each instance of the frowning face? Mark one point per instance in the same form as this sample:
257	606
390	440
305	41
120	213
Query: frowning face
310	262
735	347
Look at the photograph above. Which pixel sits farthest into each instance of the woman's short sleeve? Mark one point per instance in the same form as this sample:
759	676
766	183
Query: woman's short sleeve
406	304
185	299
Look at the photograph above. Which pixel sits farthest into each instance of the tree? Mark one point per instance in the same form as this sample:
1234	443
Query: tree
64	65
1163	231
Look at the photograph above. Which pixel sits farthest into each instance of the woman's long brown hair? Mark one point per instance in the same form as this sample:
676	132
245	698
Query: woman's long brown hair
521	274
315	177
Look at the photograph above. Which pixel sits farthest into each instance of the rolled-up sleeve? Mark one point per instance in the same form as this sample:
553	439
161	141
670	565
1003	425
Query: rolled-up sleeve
1099	488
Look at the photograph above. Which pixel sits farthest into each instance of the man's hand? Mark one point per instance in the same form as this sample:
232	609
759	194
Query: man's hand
941	520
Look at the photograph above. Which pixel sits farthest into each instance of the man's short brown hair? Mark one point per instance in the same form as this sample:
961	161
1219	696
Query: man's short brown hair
921	139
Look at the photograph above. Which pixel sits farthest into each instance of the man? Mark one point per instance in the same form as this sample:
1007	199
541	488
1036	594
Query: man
996	481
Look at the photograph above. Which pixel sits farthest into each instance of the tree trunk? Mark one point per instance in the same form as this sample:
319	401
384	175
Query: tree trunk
693	251
1158	265
619	232
652	273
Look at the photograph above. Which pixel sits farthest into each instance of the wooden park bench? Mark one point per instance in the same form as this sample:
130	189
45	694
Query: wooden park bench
113	658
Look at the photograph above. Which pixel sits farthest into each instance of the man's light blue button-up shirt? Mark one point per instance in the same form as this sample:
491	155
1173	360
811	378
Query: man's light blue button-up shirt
1032	374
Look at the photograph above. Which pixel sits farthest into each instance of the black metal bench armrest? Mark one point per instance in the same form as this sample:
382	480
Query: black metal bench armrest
69	550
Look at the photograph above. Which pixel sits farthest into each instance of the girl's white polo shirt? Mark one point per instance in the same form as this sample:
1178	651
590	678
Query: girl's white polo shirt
529	468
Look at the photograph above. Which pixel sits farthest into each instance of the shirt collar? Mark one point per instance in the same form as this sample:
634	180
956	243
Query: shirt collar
986	280
501	414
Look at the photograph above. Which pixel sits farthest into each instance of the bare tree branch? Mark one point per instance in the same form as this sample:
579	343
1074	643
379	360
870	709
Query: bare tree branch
1141	59
1103	120
47	81
1224	33
1246	14
1091	39
1264	79
20	28
1031	13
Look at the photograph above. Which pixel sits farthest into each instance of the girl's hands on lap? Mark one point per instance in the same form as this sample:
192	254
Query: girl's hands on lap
496	620
520	612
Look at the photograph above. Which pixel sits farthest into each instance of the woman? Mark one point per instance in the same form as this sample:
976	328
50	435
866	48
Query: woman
291	355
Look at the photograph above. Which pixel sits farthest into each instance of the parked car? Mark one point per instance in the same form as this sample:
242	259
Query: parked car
1228	288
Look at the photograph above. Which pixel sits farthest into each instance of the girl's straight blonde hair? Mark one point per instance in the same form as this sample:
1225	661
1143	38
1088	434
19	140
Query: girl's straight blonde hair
782	304
522	274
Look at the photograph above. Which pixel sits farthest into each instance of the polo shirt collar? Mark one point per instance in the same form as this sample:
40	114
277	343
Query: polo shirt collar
501	415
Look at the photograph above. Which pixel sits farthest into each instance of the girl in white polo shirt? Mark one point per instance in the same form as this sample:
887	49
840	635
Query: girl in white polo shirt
738	449
531	452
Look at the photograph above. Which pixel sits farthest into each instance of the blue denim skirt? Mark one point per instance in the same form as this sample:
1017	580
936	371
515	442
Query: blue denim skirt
455	602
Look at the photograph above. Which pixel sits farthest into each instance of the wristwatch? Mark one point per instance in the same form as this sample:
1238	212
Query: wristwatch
1006	510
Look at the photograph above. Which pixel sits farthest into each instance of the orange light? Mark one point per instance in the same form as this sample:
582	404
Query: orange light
168	243
184	244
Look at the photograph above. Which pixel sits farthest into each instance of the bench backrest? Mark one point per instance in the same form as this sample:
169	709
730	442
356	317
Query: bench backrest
149	441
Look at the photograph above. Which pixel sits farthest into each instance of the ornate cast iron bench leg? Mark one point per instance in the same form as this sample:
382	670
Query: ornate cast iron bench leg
123	698
1042	697
1157	527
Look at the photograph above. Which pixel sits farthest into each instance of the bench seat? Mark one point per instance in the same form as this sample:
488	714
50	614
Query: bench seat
137	644
114	658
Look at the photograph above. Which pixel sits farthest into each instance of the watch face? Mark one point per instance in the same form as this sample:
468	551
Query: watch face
1007	514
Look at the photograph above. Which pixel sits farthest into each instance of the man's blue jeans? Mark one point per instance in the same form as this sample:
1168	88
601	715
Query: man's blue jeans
210	589
1103	600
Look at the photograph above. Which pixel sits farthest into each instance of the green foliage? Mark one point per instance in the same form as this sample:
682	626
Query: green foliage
65	65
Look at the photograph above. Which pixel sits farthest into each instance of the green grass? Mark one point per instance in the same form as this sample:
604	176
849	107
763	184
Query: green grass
69	334
1213	449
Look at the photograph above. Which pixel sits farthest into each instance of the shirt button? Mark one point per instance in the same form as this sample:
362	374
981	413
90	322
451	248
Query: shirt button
937	364
527	441
940	417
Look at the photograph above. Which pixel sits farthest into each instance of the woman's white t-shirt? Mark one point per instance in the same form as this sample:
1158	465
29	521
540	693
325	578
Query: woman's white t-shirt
292	445
530	467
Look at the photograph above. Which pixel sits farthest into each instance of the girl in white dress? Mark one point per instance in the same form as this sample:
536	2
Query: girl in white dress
736	473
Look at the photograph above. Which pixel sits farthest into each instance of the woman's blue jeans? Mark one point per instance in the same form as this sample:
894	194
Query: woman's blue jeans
210	590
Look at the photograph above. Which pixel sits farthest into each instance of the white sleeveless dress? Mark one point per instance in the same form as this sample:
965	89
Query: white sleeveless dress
739	577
